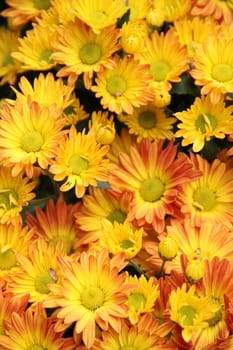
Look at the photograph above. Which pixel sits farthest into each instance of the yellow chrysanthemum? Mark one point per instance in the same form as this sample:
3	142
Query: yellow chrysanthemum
212	70
75	112
35	141
38	271
172	9
9	67
221	11
80	161
20	12
15	193
54	227
203	121
35	49
34	330
80	50
142	299
102	125
166	56
98	14
211	196
91	293
190	311
133	36
149	122
125	86
138	9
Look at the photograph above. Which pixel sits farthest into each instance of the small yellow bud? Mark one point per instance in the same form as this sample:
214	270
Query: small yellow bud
162	97
105	134
168	248
195	269
155	17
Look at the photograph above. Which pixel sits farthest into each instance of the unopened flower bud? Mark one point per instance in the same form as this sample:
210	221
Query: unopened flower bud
155	17
195	269
168	248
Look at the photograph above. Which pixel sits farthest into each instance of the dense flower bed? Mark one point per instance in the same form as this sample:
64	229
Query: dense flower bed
116	175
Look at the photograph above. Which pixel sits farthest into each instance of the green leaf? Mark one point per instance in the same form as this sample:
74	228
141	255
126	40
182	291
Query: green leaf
186	86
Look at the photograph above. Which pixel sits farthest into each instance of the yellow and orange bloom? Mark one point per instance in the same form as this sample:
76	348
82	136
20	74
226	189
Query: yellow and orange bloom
221	11
103	126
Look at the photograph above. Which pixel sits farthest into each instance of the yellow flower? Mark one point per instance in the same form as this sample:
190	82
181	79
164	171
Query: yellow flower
125	86
138	9
194	270
80	161
172	9
35	141
168	247
218	9
133	35
103	127
74	112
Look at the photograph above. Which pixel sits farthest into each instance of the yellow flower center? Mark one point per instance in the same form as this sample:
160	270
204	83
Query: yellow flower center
90	53
7	60
32	141
43	279
204	199
159	70
78	164
206	122
217	316
116	85
8	199
147	120
222	72
41	4
187	315
129	347
152	190
7	259
98	18
136	300
126	244
46	56
36	347
117	215
92	298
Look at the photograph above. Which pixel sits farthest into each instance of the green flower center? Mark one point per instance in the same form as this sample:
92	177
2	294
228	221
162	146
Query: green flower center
7	60
216	318
206	122
222	72
204	198
126	244
98	18
92	298
42	4
136	300
116	85
69	110
147	120
78	164
32	141
36	347
46	56
8	199
117	215
90	53
152	190
7	259
43	279
187	315
159	70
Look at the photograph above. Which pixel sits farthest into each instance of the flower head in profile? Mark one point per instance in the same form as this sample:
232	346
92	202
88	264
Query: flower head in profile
212	70
92	293
80	50
35	141
172	9
125	86
138	9
75	111
133	36
221	11
80	161
15	194
203	121
103	127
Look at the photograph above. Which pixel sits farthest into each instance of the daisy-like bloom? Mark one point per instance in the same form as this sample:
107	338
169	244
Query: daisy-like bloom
125	86
166	56
142	299
75	111
92	293
138	9
190	311
212	70
172	9
204	120
35	49
155	174
46	90
221	11
81	50
98	14
39	270
121	237
15	193
133	36
149	122
9	67
103	126
13	240
35	141
21	12
54	227
211	196
80	161
34	330
97	206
